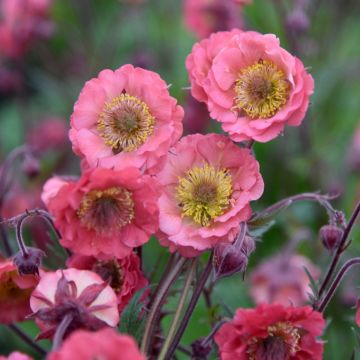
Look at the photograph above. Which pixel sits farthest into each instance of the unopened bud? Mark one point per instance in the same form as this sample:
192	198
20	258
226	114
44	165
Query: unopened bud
297	20
31	166
29	263
330	236
228	260
200	350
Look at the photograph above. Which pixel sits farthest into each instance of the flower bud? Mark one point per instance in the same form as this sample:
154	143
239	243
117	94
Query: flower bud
229	259
297	20
330	236
199	350
31	166
28	264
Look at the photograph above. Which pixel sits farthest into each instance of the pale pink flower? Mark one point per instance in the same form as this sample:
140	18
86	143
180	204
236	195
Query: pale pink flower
204	17
80	293
208	183
16	356
125	118
105	213
282	279
103	344
250	84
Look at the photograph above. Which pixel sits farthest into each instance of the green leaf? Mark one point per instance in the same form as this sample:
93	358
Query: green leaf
132	318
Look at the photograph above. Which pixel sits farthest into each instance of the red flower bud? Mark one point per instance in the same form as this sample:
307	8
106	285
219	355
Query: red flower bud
28	264
330	236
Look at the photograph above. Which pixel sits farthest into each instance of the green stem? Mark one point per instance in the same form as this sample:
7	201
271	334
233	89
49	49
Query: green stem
156	305
180	307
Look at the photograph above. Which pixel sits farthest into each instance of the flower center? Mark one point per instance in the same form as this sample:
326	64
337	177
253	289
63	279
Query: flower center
282	343
110	271
204	193
125	123
261	90
101	210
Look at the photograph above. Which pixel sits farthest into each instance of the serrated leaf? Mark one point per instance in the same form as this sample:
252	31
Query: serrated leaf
132	318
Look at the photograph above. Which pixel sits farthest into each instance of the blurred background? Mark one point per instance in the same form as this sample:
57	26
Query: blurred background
50	48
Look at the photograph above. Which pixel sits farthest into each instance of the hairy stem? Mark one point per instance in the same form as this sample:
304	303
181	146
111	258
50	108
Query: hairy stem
339	250
193	301
342	272
60	331
179	309
157	302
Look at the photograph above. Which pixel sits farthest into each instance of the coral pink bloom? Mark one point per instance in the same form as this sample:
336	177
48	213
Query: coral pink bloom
15	291
250	84
123	275
105	213
204	17
81	294
125	118
272	332
282	280
103	344
208	183
16	356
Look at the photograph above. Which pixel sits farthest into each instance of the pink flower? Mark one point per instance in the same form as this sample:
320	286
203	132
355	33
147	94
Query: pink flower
16	356
123	275
103	344
23	21
250	84
105	213
204	17
272	332
50	134
79	293
125	118
208	183
282	280
15	291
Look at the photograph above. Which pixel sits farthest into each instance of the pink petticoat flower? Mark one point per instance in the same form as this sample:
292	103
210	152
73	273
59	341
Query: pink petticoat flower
204	17
16	356
249	83
208	183
283	280
125	118
80	293
123	275
15	291
272	332
105	213
103	344
22	22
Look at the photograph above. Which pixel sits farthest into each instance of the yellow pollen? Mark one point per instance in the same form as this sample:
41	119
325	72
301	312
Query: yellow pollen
125	123
104	210
204	193
261	90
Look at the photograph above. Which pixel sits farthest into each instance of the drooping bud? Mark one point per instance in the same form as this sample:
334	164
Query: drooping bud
29	263
31	165
200	351
297	20
330	236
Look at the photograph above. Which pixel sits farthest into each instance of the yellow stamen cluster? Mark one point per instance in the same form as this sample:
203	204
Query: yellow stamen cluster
204	193
261	90
101	210
125	123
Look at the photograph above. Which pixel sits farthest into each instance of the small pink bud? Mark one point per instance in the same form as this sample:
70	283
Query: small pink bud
330	236
28	264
